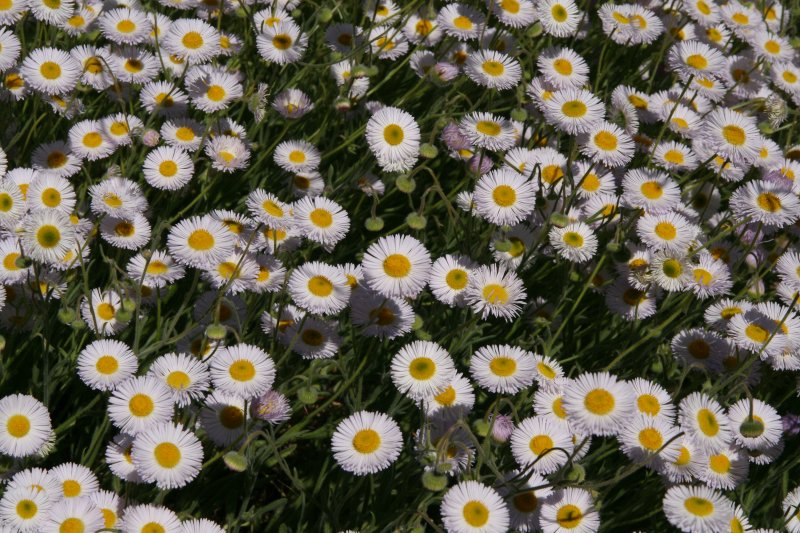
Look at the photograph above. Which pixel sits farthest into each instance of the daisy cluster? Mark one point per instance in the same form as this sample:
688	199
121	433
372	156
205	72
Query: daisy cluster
496	245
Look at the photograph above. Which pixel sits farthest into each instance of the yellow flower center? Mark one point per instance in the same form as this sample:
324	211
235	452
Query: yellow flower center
141	405
698	506
540	444
476	514
495	294
242	370
504	196
366	441
167	455
320	286
707	422
650	439
50	70
107	365
321	218
18	426
569	516
201	239
599	402
397	266
574	109
192	40
422	368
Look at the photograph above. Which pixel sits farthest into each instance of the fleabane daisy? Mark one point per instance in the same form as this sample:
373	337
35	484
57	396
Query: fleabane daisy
74	514
733	136
575	242
89	141
486	130
574	110
766	202
494	70
24	425
268	209
502	368
319	288
693	58
187	377
669	231
167	455
697	508
449	278
541	444
563	67
140	404
461	21
192	39
47	236
168	168
647	440
606	143
150	518
75	481
244	370
598	404
397	265
106	363
297	156
282	43
703	419
51	71
504	197
471	507
495	290
393	136
571	509
51	192
24	508
559	18
321	220
422	369
200	241
366	442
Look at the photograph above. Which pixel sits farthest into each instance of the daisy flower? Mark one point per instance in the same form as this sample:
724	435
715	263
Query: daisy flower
319	288
141	518
228	154
571	509
653	191
75	481
765	201
297	156
214	91
168	455
652	400
485	130
244	370
321	220
504	197
292	103
129	234
650	441
723	469
281	43
541	444
559	18
51	192
574	110
310	337
457	396
387	43
393	136
669	231
471	506
606	143
25	424
223	417
575	242
109	504
697	508
187	377
366	442
47	235
598	404
461	21
502	368
192	39
732	135
139	404
75	514
704	420
168	168
693	58
563	67
201	525
422	369
106	363
125	25
495	290
493	70
57	159
199	241
757	333
24	508
449	278
398	265
385	318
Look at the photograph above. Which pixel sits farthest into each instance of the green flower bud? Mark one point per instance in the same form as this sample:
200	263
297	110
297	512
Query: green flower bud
406	184
308	395
23	262
576	473
66	315
433	481
559	220
751	428
428	151
128	304
235	461
216	332
503	245
123	316
519	114
416	221
374	224
481	427
324	15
